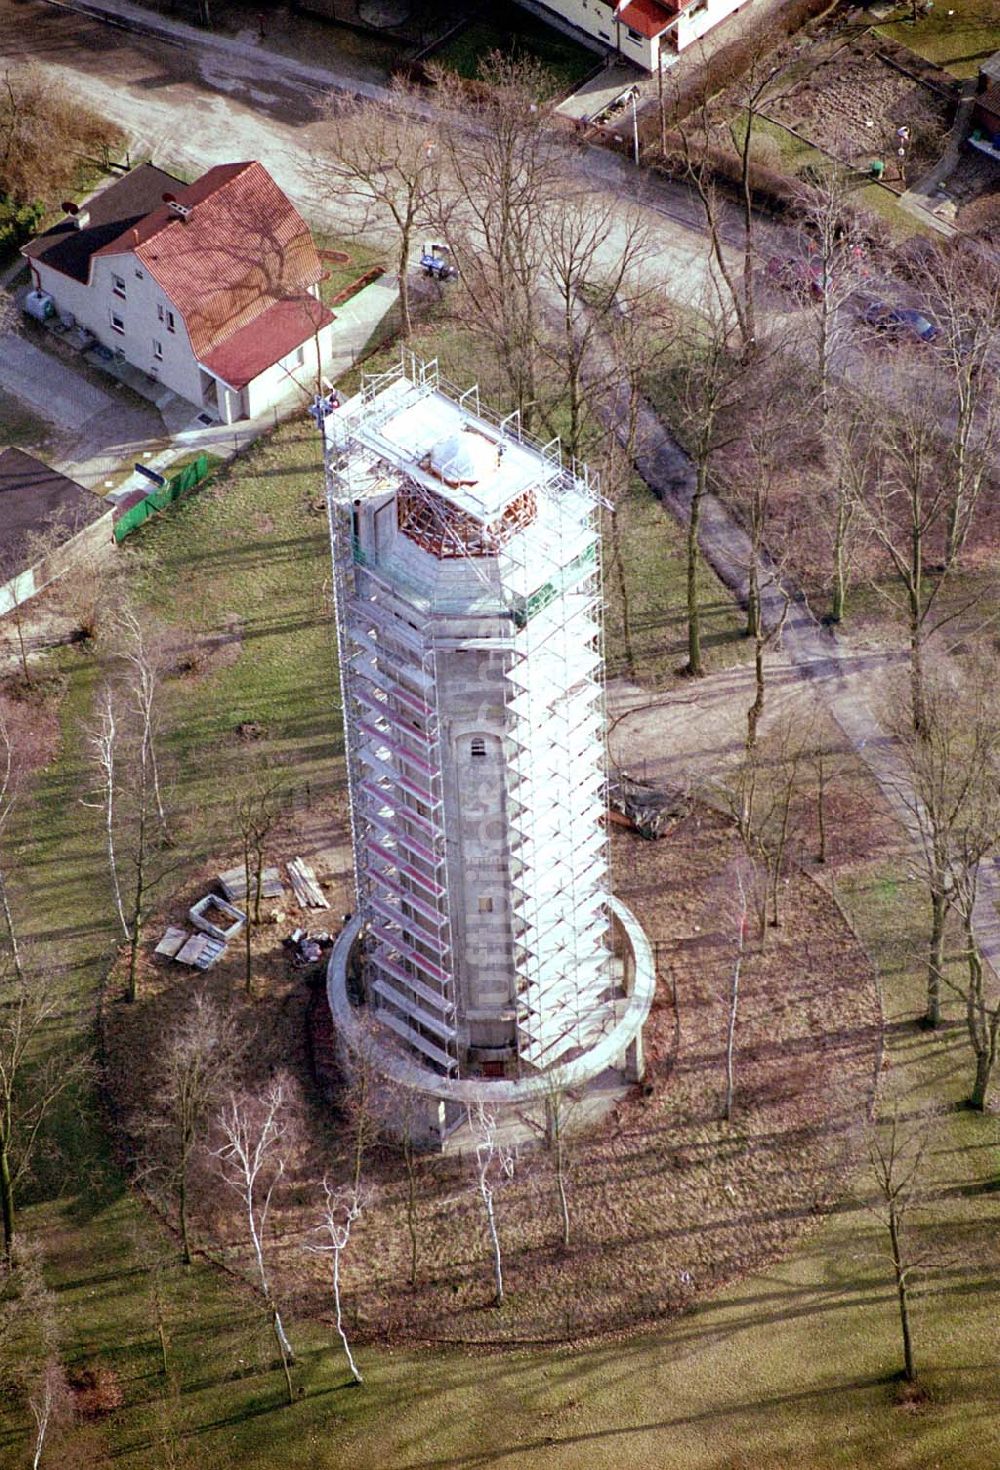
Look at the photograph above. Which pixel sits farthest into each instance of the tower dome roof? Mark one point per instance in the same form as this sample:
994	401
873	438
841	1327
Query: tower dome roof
463	458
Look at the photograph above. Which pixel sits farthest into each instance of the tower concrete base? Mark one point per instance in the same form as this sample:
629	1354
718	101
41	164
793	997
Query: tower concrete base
434	1108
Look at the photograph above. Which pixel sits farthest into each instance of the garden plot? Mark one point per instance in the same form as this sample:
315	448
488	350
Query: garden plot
851	104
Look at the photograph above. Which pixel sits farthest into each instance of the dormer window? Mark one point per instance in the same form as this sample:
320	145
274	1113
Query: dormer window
118	285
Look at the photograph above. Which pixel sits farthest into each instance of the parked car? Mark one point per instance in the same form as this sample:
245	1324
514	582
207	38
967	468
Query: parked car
435	261
900	321
793	273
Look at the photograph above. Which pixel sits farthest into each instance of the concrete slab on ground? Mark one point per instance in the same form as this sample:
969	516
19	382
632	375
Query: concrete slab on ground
357	321
597	94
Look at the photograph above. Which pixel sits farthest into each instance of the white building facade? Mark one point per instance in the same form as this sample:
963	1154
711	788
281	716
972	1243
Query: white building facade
648	32
467	574
212	289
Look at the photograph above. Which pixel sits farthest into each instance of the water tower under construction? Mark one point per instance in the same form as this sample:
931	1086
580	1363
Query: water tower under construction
487	955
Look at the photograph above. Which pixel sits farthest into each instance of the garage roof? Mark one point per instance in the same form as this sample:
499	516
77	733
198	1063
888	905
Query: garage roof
34	499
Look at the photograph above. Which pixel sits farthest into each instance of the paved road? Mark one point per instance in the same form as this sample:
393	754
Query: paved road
198	99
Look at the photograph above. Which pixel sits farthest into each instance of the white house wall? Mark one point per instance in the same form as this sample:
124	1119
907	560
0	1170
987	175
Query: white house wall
288	377
178	369
699	19
93	305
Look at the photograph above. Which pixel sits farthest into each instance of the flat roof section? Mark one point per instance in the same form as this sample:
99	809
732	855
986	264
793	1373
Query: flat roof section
34	499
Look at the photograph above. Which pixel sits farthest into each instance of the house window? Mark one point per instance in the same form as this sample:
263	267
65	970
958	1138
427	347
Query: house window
170	321
118	285
157	350
477	747
486	905
140	275
633	35
165	315
298	357
117	323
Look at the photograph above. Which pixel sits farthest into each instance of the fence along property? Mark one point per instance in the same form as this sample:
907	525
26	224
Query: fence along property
139	506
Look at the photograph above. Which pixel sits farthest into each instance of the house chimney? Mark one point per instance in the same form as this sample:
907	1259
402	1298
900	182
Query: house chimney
179	211
77	217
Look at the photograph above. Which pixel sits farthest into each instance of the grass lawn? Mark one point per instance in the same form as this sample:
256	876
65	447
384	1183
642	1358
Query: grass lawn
792	1367
511	30
341	272
958	35
796	156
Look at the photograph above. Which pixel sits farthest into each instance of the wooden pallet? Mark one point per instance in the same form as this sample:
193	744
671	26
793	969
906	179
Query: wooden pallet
201	951
308	894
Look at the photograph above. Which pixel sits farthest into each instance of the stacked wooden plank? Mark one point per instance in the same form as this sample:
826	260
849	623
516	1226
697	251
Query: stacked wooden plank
233	883
308	894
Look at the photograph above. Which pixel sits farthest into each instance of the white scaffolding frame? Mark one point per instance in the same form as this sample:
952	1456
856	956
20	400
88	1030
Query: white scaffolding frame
554	700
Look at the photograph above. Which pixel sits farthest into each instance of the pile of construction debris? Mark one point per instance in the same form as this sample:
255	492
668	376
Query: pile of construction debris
217	920
642	806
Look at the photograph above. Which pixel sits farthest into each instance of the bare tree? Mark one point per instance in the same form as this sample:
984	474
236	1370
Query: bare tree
768	444
504	174
195	1068
851	444
947	775
256	809
8	796
51	1406
103	739
632	346
760	794
494	1163
253	1158
140	658
831	240
962	281
385	157
700	142
30	1366
908	506
341	1209
740	917
123	748
363	1100
710	384
896	1155
975	842
589	287
554	1129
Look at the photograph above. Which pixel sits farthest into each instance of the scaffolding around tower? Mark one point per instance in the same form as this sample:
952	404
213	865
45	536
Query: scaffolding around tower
467	581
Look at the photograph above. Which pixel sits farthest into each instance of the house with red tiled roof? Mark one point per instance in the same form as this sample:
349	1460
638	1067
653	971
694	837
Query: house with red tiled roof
647	32
212	288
